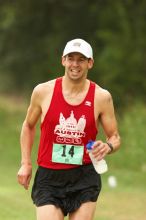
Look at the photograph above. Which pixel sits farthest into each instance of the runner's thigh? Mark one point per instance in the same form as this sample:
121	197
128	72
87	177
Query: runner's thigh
84	212
49	212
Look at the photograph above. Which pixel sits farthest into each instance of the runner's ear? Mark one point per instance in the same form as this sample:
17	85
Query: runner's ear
90	63
63	61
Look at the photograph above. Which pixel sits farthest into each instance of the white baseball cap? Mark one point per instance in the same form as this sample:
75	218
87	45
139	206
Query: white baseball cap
80	46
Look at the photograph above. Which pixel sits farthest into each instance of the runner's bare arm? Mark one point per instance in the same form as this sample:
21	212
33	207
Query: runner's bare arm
109	124
27	138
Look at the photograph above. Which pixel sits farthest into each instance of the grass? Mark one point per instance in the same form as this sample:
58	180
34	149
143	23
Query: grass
125	202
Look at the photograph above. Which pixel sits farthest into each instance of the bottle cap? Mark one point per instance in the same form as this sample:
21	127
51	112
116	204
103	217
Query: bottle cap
89	145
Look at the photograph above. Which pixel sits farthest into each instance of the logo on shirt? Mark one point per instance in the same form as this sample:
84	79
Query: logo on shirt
88	103
69	130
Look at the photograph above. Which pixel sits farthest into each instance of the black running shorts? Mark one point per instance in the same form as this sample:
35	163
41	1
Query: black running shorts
66	189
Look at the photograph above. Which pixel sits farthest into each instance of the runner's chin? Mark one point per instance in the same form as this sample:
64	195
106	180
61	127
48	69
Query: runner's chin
75	76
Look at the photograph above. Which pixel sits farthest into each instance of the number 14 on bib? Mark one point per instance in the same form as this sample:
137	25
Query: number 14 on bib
68	154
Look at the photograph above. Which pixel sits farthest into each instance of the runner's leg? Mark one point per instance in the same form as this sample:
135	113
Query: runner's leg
49	212
84	212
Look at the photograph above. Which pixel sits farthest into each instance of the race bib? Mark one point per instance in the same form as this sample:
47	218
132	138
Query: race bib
69	154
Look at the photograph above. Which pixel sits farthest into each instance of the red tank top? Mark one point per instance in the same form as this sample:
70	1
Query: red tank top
67	124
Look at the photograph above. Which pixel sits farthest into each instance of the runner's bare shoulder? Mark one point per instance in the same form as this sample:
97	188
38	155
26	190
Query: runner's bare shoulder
102	96
46	87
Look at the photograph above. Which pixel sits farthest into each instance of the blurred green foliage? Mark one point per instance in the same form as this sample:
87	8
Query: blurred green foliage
33	34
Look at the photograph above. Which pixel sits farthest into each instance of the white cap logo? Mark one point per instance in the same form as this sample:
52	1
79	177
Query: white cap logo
77	44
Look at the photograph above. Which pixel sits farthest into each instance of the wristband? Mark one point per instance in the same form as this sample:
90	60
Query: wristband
110	146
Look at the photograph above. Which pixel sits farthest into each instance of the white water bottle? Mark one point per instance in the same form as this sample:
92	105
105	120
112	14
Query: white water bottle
101	165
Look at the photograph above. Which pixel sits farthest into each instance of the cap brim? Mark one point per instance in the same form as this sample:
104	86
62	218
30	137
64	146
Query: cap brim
76	51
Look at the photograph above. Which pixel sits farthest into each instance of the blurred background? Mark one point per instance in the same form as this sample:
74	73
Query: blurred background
33	34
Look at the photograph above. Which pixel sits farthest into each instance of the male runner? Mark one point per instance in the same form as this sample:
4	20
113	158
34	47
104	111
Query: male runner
71	108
